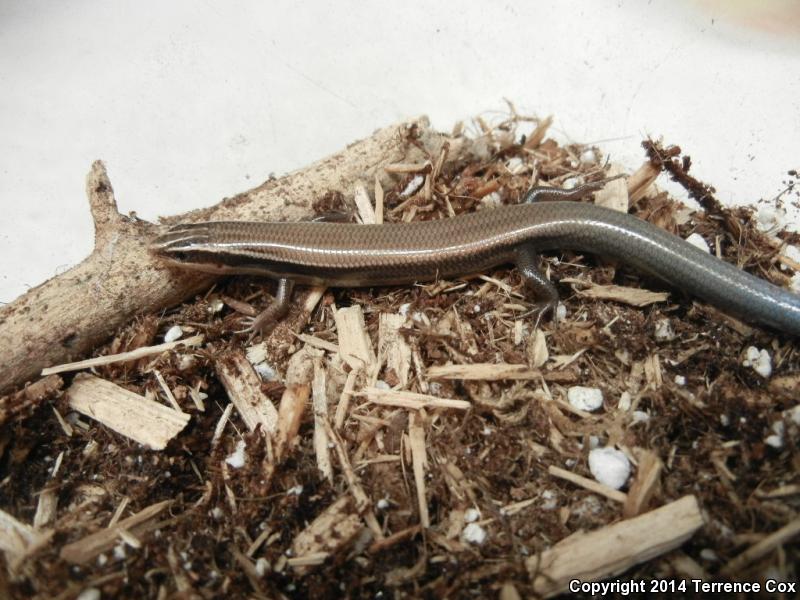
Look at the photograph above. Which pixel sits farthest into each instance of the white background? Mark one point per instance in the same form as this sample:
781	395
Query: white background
188	102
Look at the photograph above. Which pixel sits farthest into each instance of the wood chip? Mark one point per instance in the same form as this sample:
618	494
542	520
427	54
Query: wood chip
123	356
411	400
19	541
483	371
363	504
167	392
419	461
363	204
220	427
393	350
617	293
646	483
402	168
589	484
537	135
652	372
47	504
614	194
378	200
394	539
243	386
762	548
27	399
639	183
319	400
343	407
782	491
536	350
616	548
292	408
330	533
785	385
355	346
129	414
318	343
89	547
46	508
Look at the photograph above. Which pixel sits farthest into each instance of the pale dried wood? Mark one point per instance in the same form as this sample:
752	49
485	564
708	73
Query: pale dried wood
243	386
109	359
294	400
363	204
355	346
363	503
419	461
314	559
165	388
411	400
319	401
615	548
118	511
343	406
249	569
316	342
378	201
405	168
28	398
144	421
393	350
652	372
262	537
397	537
47	504
87	548
589	484
762	548
509	592
536	349
18	540
537	135
331	532
220	426
482	371
197	398
614	194
70	314
179	576
46	507
648	478
639	183
685	565
617	293
786	385
782	491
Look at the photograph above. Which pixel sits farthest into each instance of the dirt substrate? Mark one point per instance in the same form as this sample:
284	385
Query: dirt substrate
366	486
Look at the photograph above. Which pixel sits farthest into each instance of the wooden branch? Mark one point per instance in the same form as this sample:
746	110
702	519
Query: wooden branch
66	317
615	548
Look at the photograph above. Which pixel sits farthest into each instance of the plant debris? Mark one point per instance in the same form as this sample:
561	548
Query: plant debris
418	441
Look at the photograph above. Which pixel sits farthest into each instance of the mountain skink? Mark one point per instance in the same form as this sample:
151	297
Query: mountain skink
348	254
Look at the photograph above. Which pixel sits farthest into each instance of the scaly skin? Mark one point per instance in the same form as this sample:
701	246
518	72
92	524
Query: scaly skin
344	254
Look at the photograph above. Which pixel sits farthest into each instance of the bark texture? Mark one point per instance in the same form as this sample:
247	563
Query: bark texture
64	318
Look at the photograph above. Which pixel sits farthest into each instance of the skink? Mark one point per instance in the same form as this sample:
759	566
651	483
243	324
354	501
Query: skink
348	254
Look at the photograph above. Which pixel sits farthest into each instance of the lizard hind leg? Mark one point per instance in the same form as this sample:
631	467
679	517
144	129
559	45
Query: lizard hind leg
536	284
263	323
266	320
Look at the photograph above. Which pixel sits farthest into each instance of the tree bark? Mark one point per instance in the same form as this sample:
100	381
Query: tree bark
67	316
